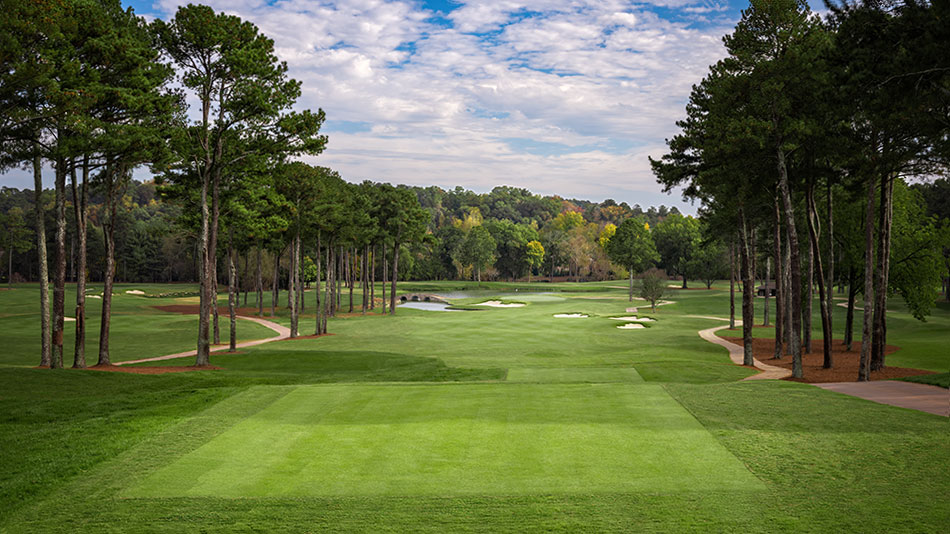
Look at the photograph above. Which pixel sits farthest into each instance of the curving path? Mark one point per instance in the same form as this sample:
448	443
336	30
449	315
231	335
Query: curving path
769	372
923	397
282	333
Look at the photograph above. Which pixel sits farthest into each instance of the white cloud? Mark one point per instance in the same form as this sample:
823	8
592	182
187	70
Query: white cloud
607	77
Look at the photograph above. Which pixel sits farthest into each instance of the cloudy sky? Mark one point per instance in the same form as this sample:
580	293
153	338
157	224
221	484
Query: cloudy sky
563	97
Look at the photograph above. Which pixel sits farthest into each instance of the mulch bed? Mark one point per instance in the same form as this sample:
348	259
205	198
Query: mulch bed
845	362
193	309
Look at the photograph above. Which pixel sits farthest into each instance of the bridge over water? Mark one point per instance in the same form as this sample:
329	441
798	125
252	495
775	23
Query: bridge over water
422	297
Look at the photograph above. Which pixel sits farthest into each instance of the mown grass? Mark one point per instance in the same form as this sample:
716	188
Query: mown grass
403	434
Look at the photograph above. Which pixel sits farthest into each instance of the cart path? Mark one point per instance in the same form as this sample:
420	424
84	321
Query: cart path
769	372
282	333
923	397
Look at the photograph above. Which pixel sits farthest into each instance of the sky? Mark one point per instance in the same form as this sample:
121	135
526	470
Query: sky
565	97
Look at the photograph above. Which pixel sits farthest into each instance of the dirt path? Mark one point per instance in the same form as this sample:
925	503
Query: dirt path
769	372
923	397
282	333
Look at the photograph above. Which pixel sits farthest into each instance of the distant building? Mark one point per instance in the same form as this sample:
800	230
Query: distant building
768	286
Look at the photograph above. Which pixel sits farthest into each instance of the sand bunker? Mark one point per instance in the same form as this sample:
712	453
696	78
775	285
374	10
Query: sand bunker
134	292
500	304
570	315
631	326
93	297
633	318
69	319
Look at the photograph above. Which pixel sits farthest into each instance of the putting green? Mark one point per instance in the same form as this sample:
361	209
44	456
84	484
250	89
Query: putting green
472	439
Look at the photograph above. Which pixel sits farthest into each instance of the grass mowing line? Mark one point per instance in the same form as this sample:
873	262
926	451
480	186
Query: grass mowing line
562	375
483	439
106	480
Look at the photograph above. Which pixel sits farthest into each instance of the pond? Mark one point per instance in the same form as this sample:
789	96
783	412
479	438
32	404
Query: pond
431	306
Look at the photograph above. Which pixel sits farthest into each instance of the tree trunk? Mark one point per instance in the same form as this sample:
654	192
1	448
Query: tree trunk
849	318
372	285
232	294
787	297
732	285
80	197
203	356
260	282
830	273
364	279
275	285
331	280
879	341
779	285
213	251
796	272
291	288
630	290
214	306
768	277
45	349
59	280
246	285
351	272
809	291
298	278
813	232
392	290
319	302
385	275
104	323
864	365
748	291
340	278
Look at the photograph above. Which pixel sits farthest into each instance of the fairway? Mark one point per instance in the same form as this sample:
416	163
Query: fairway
443	440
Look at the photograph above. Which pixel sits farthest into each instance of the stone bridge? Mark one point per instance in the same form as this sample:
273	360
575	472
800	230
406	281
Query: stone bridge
422	297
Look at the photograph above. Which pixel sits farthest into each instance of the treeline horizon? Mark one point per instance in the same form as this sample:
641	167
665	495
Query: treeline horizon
153	246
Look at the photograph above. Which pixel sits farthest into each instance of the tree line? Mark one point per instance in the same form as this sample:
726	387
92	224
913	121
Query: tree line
95	91
800	145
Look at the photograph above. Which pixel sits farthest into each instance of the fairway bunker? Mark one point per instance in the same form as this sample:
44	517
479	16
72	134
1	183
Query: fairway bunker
633	319
134	292
631	326
571	315
500	304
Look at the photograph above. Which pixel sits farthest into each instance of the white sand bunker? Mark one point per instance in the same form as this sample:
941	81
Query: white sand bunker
69	319
630	326
633	318
500	304
570	315
93	296
134	292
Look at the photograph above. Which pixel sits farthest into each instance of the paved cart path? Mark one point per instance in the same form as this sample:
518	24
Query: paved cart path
282	333
923	397
769	372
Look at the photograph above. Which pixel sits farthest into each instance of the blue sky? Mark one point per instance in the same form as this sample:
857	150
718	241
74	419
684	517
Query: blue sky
563	97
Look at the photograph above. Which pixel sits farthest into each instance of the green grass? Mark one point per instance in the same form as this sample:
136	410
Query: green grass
456	440
501	420
940	379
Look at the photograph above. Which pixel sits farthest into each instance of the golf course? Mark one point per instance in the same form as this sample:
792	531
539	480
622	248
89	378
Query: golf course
534	412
